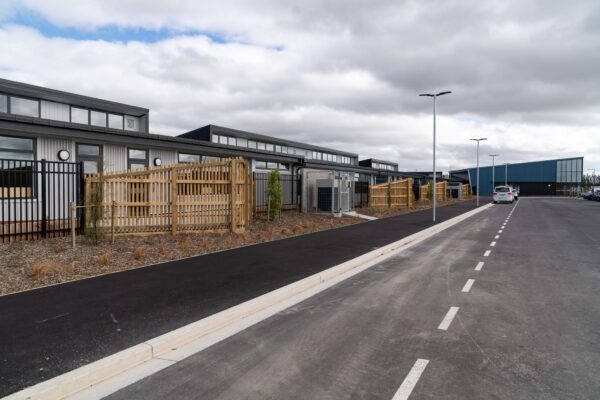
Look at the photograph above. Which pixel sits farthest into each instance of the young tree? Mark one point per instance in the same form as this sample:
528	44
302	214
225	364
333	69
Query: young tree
275	193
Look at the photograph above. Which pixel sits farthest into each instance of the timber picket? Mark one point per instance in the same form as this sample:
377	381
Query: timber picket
195	197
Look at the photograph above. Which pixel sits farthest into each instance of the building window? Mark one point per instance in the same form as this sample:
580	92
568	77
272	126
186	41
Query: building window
277	148
251	144
241	142
16	174
214	138
91	157
132	123
189	158
98	118
260	146
222	139
17	148
115	121
284	149
270	147
26	107
137	158
3	103
231	141
79	115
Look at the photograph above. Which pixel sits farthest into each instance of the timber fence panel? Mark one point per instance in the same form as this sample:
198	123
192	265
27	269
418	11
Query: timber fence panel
392	194
207	195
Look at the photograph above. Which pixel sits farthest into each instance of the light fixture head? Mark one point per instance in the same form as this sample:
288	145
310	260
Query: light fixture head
157	162
63	155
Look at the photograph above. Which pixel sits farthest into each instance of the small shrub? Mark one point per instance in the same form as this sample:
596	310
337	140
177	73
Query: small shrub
228	240
57	248
184	244
139	252
297	228
104	259
286	231
275	193
41	268
203	244
161	250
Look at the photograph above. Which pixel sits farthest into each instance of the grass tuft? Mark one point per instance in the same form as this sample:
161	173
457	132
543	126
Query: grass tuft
139	252
41	268
104	259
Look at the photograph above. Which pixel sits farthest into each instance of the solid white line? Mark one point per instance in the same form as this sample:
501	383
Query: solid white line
411	380
492	244
479	266
468	285
497	237
448	318
487	253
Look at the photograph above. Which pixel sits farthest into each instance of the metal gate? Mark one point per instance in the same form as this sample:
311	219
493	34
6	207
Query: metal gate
291	191
35	198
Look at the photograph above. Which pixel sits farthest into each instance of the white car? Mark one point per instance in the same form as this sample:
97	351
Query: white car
503	194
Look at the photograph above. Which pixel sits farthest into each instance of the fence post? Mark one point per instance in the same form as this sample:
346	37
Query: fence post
73	217
112	222
173	200
232	167
44	204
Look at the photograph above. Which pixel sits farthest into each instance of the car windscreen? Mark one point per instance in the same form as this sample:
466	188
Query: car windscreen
502	189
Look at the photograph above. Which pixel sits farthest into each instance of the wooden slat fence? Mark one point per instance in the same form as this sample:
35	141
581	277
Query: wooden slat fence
466	191
183	198
392	194
441	194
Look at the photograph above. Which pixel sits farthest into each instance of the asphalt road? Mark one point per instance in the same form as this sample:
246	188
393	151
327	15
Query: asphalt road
49	331
527	328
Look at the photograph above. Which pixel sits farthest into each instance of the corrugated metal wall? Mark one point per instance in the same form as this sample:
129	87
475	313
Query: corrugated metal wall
48	148
115	158
168	157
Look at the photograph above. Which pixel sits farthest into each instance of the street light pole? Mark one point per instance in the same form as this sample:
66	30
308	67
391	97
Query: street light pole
493	169
478	140
505	174
434	177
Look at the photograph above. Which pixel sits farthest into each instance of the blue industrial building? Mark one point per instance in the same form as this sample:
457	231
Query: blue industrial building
560	177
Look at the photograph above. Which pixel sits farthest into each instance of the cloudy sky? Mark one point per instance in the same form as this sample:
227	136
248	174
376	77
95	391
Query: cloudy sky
344	74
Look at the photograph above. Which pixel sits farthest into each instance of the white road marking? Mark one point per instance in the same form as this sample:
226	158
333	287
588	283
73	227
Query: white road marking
448	318
497	237
487	253
479	266
411	380
468	285
500	231
492	244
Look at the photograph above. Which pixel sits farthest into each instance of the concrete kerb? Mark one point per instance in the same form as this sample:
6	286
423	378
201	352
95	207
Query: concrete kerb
84	377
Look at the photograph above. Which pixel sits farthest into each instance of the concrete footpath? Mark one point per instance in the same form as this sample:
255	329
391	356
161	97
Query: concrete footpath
52	330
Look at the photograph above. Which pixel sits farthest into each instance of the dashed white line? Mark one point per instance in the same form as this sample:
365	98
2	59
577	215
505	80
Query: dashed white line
500	231
468	285
448	318
487	253
492	244
479	266
497	237
411	380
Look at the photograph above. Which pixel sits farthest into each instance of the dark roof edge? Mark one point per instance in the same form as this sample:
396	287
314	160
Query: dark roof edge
519	163
271	139
28	90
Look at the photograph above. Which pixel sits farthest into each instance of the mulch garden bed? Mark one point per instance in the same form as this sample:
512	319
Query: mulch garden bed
30	264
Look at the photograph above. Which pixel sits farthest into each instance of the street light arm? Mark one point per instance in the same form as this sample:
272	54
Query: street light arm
428	95
443	93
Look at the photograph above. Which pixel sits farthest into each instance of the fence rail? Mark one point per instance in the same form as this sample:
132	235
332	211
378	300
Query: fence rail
35	198
392	194
208	195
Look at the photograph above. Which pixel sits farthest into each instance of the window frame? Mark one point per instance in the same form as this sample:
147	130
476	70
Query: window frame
131	161
10	108
82	158
188	154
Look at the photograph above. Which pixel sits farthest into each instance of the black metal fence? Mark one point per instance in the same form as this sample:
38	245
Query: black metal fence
291	191
35	198
361	194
